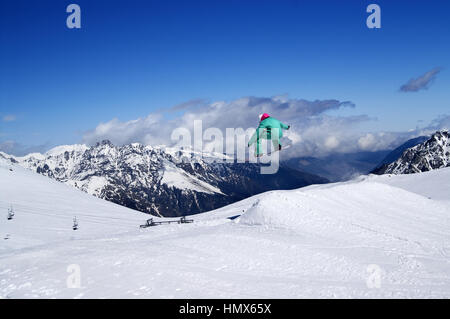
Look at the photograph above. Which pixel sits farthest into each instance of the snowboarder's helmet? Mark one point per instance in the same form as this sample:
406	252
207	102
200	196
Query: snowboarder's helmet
263	116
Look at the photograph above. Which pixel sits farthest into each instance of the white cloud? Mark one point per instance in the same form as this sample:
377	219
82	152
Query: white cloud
313	132
331	142
442	122
241	113
148	130
9	118
13	148
367	141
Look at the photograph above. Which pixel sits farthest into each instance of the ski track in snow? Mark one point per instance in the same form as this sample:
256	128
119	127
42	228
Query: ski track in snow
314	242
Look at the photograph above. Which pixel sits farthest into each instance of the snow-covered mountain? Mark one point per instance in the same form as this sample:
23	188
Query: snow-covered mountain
373	237
396	153
432	154
159	180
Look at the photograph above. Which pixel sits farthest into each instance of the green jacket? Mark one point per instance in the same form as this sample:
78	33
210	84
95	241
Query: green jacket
264	130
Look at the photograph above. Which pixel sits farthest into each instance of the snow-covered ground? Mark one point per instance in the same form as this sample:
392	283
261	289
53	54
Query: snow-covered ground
376	236
174	176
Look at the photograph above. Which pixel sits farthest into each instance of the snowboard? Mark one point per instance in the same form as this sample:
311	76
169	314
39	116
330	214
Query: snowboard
270	153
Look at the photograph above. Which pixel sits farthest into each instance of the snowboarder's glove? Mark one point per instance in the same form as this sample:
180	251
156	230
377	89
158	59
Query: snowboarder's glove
289	127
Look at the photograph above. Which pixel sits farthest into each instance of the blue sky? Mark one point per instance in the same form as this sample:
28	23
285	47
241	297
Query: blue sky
132	58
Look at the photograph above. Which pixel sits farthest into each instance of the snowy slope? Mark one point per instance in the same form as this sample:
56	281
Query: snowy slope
320	241
174	176
433	184
44	211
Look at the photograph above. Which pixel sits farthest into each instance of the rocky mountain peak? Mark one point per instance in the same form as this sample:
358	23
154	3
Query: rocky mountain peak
432	154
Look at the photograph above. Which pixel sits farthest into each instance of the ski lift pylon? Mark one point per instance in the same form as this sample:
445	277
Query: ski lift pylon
10	213
75	223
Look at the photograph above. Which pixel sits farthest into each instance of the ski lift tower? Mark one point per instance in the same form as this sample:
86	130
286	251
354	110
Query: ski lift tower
10	213
75	223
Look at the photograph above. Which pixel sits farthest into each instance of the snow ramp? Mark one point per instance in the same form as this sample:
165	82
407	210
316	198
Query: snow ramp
358	212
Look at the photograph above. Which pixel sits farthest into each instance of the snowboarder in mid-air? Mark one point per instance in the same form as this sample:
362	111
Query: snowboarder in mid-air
267	125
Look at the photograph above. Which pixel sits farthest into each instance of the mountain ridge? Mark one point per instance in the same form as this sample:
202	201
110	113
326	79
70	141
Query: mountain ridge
159	180
433	153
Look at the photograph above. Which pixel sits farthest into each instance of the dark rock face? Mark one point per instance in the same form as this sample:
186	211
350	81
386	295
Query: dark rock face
158	180
432	154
